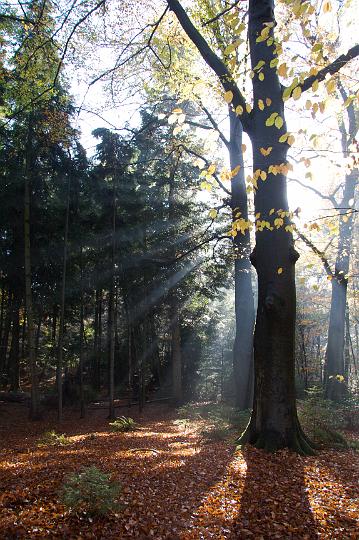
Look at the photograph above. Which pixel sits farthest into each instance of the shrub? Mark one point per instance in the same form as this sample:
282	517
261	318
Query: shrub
51	438
90	490
321	418
123	424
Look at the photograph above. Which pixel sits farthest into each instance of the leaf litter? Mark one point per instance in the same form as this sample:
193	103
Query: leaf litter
174	486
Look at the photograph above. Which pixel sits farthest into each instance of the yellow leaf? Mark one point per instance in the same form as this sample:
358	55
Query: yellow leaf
308	104
261	76
278	122
177	130
258	215
282	70
290	140
283	138
261	104
244	148
331	85
280	270
266	152
228	96
268	101
271	211
211	169
329	278
239	110
213	213
248	108
315	85
297	92
327	6
263	175
235	171
270	120
177	111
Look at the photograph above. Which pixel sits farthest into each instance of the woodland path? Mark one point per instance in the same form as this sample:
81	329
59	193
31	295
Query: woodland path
173	485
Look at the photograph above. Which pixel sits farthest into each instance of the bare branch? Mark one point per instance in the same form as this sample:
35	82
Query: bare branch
330	198
223	12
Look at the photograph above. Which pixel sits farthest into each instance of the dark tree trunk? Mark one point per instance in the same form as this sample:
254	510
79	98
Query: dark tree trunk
6	334
274	423
111	308
176	355
335	387
244	303
60	344
34	404
81	359
14	365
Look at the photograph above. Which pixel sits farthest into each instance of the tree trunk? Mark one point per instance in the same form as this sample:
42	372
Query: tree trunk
6	334
60	344
34	405
176	356
335	387
14	365
81	359
274	423
111	307
244	303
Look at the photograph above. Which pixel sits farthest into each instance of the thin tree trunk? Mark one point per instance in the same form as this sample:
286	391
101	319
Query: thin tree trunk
14	365
34	405
176	355
244	303
81	360
60	343
335	387
111	329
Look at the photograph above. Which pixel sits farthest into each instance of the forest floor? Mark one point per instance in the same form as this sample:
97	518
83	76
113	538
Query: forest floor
174	486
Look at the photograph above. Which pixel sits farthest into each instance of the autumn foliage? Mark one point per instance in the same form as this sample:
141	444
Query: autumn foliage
174	485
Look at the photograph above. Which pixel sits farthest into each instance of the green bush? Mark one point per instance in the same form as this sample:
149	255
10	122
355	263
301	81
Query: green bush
123	424
321	418
51	438
90	490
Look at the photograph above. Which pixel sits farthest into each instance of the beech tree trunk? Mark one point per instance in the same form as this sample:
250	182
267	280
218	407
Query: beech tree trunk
244	303
274	423
335	386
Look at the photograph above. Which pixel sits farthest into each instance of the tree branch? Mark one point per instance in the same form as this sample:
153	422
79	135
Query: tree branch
332	68
330	198
223	12
219	182
212	60
317	251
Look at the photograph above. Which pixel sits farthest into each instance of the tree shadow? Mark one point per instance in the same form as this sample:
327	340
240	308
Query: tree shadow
274	501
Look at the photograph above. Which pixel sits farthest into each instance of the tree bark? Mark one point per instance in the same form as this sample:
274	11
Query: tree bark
274	422
244	303
335	387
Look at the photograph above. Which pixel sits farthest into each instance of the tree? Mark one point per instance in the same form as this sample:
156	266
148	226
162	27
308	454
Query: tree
274	423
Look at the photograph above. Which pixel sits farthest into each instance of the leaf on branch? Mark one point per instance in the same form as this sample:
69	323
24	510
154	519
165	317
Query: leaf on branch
228	96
